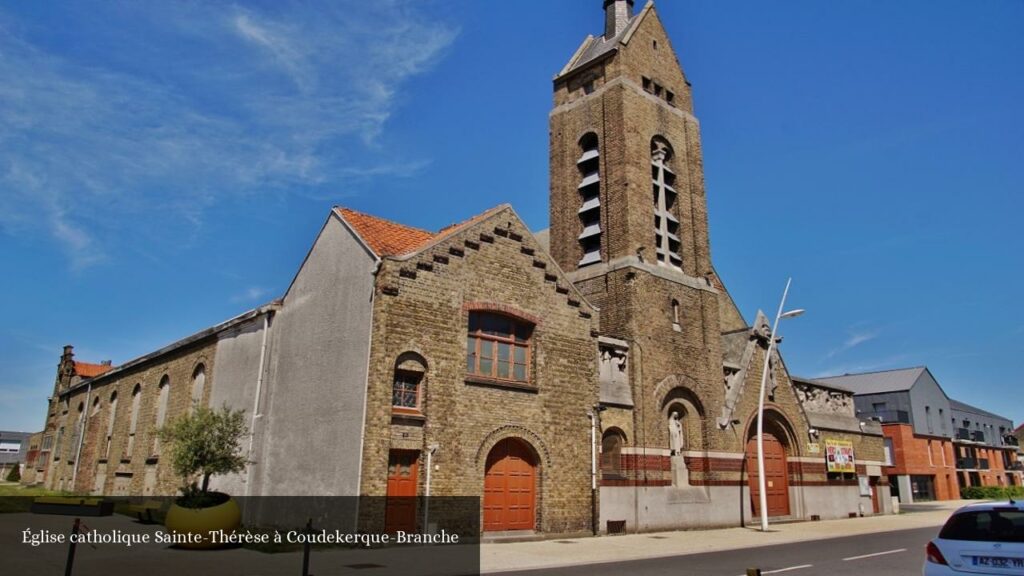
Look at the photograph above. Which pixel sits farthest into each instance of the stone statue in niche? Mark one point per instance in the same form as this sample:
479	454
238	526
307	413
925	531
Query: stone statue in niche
613	365
675	433
677	440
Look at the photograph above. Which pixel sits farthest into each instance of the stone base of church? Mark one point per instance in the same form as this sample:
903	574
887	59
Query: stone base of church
655	508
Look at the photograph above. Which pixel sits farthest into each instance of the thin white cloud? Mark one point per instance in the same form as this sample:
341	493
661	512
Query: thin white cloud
251	294
277	41
129	149
901	360
855	339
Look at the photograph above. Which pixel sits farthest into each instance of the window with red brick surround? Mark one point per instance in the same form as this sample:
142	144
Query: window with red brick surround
498	347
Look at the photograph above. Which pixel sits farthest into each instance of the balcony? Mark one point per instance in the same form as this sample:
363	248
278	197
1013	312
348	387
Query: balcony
889	416
972	463
978	436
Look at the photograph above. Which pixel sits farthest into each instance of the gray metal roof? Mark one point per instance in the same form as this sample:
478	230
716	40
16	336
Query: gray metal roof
596	47
820	384
877	382
957	405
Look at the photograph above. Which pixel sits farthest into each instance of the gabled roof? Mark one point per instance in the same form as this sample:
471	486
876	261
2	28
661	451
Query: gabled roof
877	382
88	370
389	238
962	407
1019	430
596	47
384	237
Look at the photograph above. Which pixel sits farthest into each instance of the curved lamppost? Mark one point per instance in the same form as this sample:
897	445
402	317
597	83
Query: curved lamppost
760	406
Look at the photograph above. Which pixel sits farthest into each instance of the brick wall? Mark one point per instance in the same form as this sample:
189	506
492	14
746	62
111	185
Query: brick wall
422	306
115	471
923	456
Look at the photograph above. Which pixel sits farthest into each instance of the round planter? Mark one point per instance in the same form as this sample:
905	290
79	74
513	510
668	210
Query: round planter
202	521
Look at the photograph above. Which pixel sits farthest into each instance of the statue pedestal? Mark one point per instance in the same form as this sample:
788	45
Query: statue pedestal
680	475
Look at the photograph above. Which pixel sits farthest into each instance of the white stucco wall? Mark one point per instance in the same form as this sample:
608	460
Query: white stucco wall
236	372
309	437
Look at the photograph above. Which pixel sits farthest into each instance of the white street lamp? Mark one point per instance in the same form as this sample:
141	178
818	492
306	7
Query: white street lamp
762	493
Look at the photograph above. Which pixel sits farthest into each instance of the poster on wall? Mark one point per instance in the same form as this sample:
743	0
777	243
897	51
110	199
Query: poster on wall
839	456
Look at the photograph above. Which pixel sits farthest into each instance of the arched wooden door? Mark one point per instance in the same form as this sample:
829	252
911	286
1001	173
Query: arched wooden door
510	487
776	476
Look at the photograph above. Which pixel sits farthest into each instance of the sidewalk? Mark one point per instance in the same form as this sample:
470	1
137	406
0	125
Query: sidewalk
505	557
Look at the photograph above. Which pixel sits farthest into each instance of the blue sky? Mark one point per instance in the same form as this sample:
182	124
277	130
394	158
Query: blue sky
165	166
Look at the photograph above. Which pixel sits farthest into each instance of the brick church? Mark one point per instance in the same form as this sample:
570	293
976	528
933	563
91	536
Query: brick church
593	376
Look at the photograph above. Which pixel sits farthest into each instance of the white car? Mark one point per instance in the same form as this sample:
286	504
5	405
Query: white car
979	539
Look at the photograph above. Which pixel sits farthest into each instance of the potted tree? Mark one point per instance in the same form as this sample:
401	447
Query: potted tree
200	445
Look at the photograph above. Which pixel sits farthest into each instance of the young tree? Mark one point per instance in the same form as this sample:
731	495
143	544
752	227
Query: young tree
15	474
201	444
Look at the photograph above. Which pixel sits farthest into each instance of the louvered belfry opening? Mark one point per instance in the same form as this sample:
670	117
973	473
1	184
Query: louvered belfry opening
666	226
590	198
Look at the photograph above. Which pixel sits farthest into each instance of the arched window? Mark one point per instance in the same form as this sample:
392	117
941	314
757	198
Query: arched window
666	225
95	407
675	313
407	385
589	164
498	347
162	398
76	433
111	413
58	444
612	442
198	384
133	419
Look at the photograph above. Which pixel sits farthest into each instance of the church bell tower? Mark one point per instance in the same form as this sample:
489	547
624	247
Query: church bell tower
628	211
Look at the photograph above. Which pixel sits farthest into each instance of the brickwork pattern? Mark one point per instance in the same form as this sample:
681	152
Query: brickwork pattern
115	471
422	306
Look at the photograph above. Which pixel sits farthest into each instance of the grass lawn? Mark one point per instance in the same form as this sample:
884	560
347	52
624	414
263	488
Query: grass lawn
13	489
17	498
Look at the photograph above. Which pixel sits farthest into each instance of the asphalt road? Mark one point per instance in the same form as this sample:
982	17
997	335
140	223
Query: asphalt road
886	554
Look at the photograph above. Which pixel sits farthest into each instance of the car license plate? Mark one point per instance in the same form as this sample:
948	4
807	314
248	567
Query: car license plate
997	562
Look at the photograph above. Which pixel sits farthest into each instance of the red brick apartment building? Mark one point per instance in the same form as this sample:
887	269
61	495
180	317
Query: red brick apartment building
934	445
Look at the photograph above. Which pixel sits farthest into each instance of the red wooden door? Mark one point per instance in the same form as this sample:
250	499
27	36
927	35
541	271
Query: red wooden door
509	487
775	474
400	511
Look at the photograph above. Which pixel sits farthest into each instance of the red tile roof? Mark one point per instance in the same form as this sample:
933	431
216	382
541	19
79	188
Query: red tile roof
387	238
87	370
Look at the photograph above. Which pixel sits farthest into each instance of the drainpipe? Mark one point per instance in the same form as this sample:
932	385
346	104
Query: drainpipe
256	403
593	471
431	449
366	392
81	435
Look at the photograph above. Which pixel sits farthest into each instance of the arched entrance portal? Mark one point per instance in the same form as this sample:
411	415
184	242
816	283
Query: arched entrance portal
776	467
510	484
775	474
